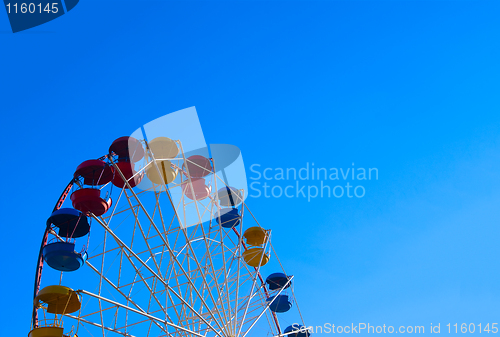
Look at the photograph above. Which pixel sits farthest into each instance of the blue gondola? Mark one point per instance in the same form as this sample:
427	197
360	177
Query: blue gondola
280	304
229	219
277	281
70	223
229	197
63	257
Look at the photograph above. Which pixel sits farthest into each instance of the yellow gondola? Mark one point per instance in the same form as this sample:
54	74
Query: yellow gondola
254	256
166	170
163	148
47	331
255	236
59	300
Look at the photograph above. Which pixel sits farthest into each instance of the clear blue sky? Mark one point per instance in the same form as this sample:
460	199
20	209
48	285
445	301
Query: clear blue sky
408	87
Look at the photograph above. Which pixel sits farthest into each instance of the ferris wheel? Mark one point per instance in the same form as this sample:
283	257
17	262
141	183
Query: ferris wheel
156	239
